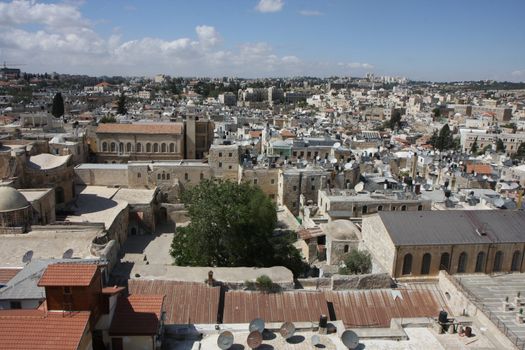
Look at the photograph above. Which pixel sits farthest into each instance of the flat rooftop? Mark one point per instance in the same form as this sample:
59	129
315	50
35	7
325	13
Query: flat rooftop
490	291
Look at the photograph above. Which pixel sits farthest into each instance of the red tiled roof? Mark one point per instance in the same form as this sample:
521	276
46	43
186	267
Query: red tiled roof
150	128
137	315
376	308
184	302
38	330
7	273
255	133
242	306
112	290
68	275
480	168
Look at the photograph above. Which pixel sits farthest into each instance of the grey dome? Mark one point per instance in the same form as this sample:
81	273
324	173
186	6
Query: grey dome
11	199
341	230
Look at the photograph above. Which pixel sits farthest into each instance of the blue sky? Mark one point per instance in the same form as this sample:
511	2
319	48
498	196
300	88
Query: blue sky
427	40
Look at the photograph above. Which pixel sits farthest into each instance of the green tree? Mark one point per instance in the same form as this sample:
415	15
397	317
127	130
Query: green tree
500	146
108	119
445	139
356	262
434	139
232	225
474	148
520	152
437	113
121	104
57	110
395	120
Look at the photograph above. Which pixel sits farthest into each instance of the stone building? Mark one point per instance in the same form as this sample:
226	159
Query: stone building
266	178
198	137
345	204
341	237
224	161
15	211
420	244
510	141
120	143
298	186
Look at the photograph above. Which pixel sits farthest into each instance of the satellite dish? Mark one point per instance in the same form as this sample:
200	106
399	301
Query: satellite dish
257	325
359	187
287	330
27	257
337	145
68	254
350	339
316	340
254	339
225	340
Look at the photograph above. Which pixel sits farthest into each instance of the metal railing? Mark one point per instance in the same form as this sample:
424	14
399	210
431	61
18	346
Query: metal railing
519	343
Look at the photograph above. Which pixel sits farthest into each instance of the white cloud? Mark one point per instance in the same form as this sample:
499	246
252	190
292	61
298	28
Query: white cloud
57	37
266	6
518	73
310	13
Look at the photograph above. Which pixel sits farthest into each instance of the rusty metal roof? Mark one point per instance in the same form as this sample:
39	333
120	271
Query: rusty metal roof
375	308
297	306
184	302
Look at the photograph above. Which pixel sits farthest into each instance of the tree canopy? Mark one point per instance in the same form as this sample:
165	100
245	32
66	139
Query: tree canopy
356	262
57	109
474	148
500	146
395	120
121	105
444	140
232	225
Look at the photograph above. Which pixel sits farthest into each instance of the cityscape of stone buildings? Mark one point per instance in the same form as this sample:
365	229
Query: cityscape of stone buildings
88	210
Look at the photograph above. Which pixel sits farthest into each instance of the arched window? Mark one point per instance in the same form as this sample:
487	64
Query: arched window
158	176
403	208
407	264
380	208
364	209
128	147
163	148
167	176
480	262
163	176
498	261
425	264
462	262
516	261
345	249
172	147
148	147
121	147
139	147
444	263
419	207
155	147
59	195
104	146
113	147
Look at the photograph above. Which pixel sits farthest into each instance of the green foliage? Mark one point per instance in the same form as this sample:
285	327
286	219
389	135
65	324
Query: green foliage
395	120
356	262
57	110
500	146
436	112
474	148
520	152
232	225
108	119
444	140
264	284
121	104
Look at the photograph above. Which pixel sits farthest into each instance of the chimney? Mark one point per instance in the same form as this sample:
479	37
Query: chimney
210	278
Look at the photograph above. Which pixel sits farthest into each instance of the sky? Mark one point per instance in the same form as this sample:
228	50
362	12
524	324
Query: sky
445	40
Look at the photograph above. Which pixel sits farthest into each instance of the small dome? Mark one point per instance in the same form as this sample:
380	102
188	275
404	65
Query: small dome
341	230
11	199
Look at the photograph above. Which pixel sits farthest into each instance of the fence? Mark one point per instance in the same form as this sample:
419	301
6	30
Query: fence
517	341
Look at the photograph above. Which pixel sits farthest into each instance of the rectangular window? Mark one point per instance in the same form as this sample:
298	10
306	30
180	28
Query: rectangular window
295	188
220	154
186	176
230	155
272	181
67	290
220	165
15	305
255	181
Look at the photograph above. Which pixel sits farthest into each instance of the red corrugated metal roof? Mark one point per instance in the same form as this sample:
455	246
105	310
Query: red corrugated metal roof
38	330
311	233
375	308
185	302
8	273
68	275
137	315
297	306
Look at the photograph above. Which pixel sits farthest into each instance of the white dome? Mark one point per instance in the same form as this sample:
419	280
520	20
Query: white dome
341	230
11	199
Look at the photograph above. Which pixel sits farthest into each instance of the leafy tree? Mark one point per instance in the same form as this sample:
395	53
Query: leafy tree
232	225
434	139
265	284
520	152
121	104
474	148
395	120
445	139
437	113
500	146
356	262
57	110
108	119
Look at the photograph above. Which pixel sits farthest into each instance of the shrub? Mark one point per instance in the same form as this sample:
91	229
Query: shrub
356	262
